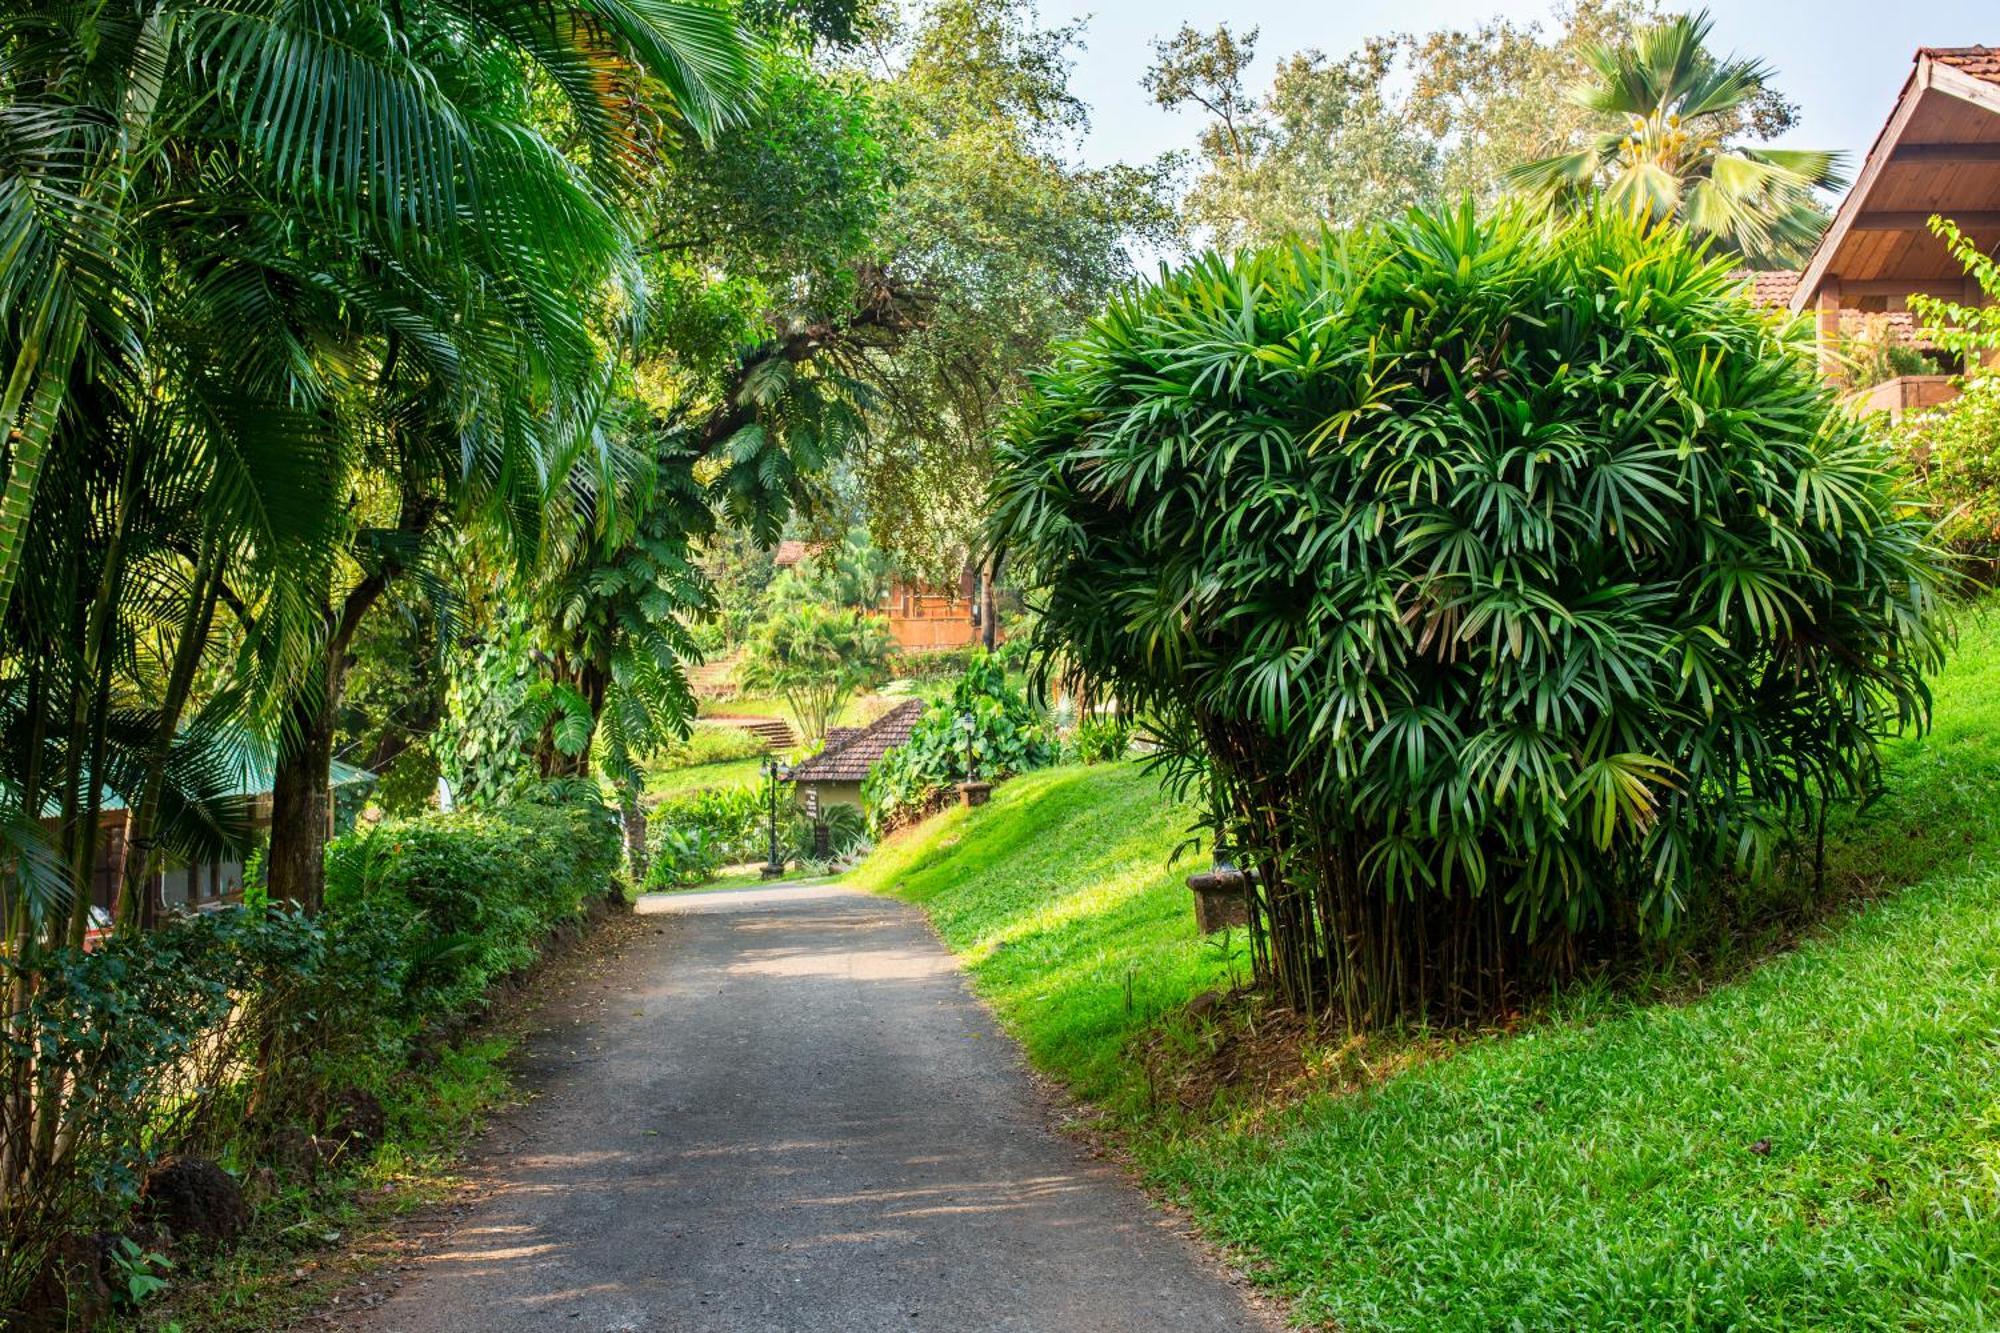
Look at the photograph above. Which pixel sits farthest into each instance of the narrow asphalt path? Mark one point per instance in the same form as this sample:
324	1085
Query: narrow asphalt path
788	1112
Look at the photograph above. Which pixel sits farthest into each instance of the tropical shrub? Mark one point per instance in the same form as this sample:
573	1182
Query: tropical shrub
1953	452
692	837
472	894
846	829
1100	739
816	657
1954	449
1497	583
1007	737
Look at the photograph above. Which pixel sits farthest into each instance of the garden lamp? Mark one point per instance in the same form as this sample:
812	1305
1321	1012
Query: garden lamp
773	867
970	726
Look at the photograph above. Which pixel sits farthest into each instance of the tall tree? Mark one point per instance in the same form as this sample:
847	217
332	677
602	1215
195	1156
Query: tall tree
1008	241
1670	146
1328	145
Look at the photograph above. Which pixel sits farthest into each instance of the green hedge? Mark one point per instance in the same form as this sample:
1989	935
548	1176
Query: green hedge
472	895
217	1033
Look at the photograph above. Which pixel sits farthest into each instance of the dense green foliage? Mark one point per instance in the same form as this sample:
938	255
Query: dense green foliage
1500	583
1809	1146
1006	736
1954	449
469	897
693	836
816	656
219	1032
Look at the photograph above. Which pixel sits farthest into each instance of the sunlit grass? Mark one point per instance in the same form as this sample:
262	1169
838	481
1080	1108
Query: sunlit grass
1813	1145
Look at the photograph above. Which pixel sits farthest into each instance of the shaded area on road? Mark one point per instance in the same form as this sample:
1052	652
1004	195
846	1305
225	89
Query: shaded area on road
790	1114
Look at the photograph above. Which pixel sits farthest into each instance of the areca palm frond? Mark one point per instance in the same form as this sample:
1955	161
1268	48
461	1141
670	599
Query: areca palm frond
1676	106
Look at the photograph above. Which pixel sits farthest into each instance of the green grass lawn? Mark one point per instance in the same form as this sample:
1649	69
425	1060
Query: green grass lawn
680	781
1813	1145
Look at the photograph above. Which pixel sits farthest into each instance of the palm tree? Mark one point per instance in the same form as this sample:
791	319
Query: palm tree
1676	107
267	268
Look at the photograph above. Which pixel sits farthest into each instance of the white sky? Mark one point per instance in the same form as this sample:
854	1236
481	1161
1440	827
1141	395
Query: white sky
1841	61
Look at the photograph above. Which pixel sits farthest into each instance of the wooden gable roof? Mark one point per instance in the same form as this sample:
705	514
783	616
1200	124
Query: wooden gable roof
1939	152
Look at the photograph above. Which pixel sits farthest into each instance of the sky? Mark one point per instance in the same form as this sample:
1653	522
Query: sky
1841	61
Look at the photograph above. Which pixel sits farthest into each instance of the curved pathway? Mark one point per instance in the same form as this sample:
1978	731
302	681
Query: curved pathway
787	1112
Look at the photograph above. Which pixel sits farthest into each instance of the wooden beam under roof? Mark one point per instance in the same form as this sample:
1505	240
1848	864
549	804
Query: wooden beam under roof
1878	219
1952	289
1945	154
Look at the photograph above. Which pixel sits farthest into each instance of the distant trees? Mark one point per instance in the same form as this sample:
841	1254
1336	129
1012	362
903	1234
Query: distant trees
1613	102
816	657
1009	241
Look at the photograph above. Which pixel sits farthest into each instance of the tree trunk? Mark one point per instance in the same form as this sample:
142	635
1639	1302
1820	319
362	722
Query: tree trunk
296	867
989	618
634	816
300	802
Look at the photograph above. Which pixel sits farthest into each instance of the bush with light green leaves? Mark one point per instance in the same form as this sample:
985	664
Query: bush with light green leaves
1498	582
1007	736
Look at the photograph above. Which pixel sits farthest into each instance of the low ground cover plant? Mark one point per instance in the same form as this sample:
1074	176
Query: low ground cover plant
1499	586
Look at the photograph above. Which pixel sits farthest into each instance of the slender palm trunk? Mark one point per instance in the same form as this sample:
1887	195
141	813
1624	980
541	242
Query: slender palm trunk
97	670
141	856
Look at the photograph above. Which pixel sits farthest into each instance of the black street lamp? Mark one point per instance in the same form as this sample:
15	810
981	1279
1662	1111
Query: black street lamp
972	791
775	866
969	724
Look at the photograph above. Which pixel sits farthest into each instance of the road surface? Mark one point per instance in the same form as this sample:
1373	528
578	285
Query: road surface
785	1111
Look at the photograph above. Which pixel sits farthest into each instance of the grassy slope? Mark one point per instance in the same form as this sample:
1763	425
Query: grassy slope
1817	1145
681	781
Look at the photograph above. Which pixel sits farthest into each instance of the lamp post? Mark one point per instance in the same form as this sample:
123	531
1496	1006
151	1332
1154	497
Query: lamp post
775	866
972	791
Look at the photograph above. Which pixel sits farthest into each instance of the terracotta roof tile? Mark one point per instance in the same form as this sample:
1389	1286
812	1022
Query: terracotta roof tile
848	758
788	553
1982	62
1770	289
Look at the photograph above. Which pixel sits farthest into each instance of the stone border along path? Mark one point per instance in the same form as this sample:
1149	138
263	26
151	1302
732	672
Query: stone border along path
788	1112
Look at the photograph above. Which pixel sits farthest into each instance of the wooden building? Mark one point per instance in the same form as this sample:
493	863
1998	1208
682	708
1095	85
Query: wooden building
926	617
1939	153
204	885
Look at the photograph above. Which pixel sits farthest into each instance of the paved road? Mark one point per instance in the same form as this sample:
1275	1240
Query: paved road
789	1113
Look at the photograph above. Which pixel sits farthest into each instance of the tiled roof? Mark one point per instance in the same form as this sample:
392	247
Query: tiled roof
789	553
1982	62
848	758
1770	289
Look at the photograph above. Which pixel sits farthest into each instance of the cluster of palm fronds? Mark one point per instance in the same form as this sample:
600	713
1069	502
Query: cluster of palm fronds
289	291
1499	582
1679	113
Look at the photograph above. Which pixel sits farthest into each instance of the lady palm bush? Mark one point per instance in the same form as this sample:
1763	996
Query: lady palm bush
1499	583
